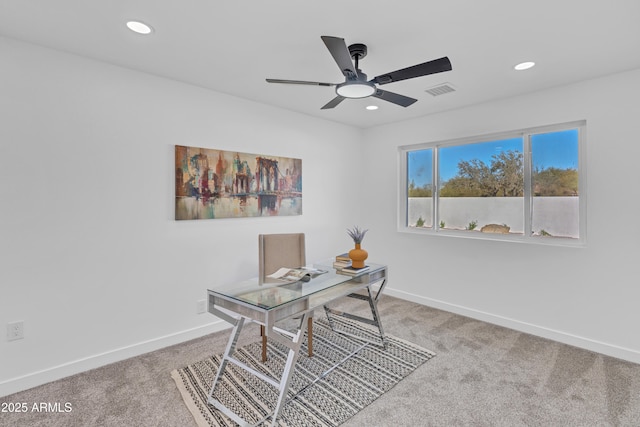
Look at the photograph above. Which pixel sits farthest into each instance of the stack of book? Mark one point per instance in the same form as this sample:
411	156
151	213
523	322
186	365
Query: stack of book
342	264
350	271
342	261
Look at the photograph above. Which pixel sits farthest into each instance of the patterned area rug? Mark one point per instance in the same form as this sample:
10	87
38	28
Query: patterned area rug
330	402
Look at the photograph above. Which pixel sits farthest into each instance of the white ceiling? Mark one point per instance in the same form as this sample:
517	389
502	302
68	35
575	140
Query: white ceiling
232	46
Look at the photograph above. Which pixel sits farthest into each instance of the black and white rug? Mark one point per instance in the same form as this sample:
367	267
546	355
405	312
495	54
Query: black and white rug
330	402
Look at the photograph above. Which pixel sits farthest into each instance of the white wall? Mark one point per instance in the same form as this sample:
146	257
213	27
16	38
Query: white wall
93	262
91	258
583	296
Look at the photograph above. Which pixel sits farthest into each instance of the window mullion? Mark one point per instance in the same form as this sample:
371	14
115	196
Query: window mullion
435	190
528	205
403	211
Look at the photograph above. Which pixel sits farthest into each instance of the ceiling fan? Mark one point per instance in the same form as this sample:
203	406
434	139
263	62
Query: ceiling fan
356	84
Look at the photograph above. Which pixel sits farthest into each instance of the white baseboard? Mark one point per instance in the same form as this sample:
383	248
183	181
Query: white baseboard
555	335
14	385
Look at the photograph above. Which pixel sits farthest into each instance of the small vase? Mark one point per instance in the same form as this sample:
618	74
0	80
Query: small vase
358	256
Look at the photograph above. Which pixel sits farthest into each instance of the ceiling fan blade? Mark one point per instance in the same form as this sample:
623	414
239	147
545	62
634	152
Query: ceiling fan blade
299	82
333	103
401	100
424	69
338	49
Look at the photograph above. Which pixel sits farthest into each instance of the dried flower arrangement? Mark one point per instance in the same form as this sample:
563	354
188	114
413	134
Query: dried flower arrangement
357	234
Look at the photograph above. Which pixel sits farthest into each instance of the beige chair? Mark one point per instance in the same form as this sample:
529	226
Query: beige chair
280	250
276	251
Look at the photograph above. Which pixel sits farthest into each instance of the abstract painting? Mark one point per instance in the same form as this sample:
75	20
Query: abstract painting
227	184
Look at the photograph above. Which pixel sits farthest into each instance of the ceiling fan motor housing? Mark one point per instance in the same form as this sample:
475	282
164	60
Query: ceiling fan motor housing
358	50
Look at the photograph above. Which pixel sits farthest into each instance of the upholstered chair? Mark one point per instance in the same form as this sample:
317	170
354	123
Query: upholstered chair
276	251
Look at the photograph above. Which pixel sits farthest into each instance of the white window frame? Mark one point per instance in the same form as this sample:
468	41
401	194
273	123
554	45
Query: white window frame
525	134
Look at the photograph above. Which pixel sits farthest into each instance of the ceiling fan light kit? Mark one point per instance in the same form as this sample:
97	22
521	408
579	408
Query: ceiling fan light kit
356	84
355	89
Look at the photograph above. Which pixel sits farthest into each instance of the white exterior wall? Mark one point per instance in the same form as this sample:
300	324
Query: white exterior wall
555	215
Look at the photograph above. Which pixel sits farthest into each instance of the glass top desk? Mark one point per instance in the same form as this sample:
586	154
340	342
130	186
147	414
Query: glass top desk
273	301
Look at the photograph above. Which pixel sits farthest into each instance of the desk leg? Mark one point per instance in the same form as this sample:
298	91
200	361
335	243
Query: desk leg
287	374
373	305
231	347
310	336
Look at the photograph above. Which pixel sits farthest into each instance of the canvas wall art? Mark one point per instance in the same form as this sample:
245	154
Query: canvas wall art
227	184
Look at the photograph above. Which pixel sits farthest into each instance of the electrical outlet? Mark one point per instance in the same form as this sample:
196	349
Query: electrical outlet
15	331
201	306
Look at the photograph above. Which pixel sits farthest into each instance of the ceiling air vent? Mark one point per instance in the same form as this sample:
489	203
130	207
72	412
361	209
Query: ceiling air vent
441	89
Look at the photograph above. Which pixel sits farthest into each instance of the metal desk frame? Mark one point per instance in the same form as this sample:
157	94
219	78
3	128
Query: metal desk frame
238	312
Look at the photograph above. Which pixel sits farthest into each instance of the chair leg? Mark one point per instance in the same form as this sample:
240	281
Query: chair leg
264	343
310	335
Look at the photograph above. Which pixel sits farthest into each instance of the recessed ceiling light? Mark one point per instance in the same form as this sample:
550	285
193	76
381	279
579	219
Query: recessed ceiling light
372	107
524	65
139	27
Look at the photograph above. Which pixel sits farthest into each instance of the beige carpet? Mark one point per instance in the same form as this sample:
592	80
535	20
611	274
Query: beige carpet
483	375
343	392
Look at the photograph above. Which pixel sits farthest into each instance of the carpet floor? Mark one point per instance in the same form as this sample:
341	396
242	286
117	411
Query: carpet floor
483	375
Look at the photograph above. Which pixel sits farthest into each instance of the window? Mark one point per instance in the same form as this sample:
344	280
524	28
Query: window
519	186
